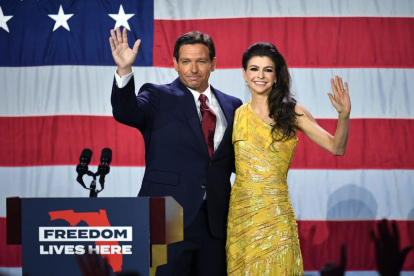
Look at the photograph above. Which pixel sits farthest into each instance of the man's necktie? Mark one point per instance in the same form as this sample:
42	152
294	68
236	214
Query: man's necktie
208	123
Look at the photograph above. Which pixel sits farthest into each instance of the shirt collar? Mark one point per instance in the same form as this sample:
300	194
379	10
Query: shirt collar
196	94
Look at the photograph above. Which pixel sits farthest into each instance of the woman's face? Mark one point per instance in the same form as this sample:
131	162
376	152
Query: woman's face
260	75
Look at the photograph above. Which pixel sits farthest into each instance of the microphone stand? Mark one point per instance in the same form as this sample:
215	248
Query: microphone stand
93	192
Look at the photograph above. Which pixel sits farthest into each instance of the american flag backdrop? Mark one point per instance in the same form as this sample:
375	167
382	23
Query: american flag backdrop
56	74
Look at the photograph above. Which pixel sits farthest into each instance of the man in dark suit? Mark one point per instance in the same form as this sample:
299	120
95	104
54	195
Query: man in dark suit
187	128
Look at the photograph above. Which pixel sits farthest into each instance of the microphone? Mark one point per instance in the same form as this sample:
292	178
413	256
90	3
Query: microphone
106	157
84	161
82	168
103	168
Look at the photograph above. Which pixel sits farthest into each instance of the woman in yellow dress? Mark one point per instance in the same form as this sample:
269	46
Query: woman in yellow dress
262	235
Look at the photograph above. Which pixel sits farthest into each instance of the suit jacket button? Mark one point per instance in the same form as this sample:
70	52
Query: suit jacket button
209	164
203	185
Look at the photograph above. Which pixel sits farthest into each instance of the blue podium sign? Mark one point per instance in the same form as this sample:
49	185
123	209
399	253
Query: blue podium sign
56	230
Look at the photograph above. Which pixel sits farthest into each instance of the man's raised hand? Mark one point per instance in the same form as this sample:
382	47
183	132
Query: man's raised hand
123	56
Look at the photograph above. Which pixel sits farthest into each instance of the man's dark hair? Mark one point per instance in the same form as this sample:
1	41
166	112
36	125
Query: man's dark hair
195	37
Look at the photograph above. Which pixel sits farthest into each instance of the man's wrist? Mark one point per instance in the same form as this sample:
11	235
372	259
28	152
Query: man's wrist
124	71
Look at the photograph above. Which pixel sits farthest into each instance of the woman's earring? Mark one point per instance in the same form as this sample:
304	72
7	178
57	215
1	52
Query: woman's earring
245	82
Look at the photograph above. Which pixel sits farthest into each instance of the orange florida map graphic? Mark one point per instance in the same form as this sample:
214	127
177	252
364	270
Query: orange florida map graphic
93	219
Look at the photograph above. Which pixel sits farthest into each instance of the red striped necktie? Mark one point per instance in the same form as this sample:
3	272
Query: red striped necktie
208	123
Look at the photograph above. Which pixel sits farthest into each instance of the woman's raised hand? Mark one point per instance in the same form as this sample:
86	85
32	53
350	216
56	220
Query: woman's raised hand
340	98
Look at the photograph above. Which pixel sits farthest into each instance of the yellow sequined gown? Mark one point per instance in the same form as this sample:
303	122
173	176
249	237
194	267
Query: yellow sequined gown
262	235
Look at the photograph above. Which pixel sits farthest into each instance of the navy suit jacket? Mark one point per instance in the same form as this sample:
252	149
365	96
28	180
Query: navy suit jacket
176	155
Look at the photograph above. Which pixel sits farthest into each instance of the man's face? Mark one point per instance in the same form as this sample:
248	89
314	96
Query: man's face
194	66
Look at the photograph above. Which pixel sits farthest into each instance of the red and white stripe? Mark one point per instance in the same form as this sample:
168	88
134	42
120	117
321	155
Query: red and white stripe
48	114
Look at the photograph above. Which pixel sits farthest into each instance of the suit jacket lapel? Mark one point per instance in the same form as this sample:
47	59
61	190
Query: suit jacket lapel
186	101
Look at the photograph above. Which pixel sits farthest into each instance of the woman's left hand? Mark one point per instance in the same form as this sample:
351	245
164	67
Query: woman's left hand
340	98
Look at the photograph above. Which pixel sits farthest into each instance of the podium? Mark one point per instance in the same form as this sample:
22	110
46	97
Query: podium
130	233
